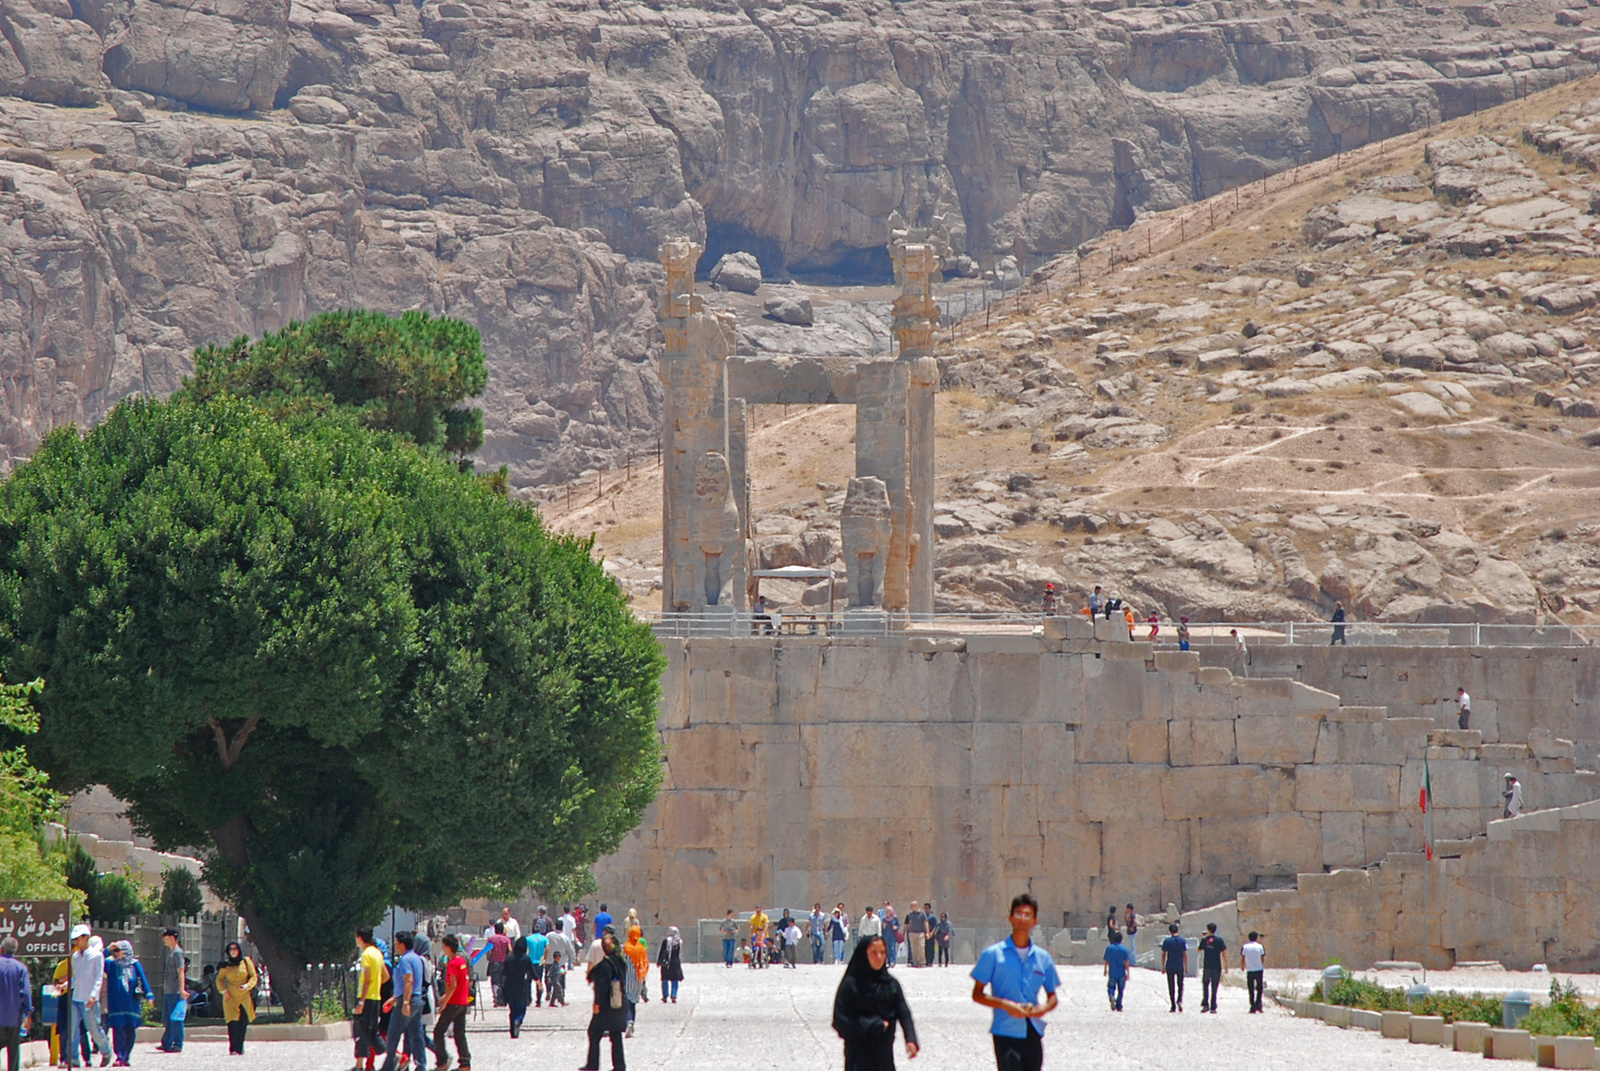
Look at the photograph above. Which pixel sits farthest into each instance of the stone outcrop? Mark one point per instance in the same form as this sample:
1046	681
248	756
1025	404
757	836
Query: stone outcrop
519	165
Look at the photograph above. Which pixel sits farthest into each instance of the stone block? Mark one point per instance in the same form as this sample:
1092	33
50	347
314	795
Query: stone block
1335	1015
1504	754
1147	741
1178	661
1102	741
1347	787
1352	741
1004	645
1469	1036
1343	839
1276	739
1109	631
1215	676
1395	1024
1065	627
1203	742
1107	792
1508	1045
1303	697
1569	1052
1361	1019
1427	1030
1235	792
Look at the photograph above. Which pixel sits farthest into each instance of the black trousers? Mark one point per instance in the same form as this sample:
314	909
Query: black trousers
11	1041
1019	1054
944	955
1175	987
369	1039
1256	983
1210	979
1338	636
599	1028
236	1032
451	1015
1466	716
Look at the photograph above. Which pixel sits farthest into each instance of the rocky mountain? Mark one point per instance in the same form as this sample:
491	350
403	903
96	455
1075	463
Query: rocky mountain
174	173
1372	381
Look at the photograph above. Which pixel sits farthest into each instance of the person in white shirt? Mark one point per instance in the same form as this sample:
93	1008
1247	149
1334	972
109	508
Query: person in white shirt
569	926
88	978
1253	959
1241	654
512	927
1463	708
791	943
869	927
1513	796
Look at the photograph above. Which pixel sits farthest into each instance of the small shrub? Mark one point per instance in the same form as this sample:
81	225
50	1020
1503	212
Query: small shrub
1453	1007
1565	1014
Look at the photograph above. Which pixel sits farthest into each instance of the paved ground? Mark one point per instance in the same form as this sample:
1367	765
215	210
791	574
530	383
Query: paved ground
738	1019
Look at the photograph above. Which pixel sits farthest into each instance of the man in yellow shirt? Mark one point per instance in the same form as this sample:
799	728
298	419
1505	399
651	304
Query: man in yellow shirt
758	925
369	993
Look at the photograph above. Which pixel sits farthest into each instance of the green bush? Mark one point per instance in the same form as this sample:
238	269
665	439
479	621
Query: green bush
1370	996
1565	1014
180	892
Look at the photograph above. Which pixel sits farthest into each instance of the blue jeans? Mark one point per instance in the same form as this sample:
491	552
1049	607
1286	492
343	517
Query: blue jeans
838	951
727	951
816	950
410	1028
1115	984
894	950
90	1017
172	1037
666	992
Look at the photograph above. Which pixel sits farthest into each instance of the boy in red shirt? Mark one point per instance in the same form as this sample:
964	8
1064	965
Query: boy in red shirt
453	1012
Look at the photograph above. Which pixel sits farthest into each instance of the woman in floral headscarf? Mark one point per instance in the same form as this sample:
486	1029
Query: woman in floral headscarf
126	989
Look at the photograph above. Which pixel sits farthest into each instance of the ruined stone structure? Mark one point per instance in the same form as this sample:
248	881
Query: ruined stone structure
1084	767
887	524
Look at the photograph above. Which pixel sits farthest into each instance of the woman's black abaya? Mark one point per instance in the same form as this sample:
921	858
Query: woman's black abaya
867	1006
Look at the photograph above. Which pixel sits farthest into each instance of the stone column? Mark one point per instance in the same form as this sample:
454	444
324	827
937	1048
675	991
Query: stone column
882	451
916	316
693	424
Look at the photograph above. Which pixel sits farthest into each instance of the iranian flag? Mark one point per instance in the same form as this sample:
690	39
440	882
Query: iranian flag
1425	800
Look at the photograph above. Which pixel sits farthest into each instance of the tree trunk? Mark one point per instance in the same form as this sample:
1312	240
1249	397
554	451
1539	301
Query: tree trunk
288	970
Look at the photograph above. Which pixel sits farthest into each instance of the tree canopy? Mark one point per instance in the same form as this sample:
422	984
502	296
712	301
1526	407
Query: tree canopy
357	675
405	374
30	866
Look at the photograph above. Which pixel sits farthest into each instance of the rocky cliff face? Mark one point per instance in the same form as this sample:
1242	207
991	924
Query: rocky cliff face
172	174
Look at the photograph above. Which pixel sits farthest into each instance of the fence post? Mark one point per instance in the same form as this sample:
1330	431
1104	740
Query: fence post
311	997
1291	634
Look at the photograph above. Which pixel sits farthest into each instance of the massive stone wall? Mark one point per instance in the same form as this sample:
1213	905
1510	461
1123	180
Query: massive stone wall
1522	895
1089	770
1517	692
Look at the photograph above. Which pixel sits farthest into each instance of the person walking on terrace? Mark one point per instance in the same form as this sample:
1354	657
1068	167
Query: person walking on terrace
237	979
1338	625
609	1010
1212	967
1175	962
867	1007
1117	959
1513	796
1013	971
1253	961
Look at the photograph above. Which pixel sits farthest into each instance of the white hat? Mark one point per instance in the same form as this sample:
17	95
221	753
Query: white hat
80	930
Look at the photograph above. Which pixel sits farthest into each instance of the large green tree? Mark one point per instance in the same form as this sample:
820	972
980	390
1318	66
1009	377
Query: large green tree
355	674
406	374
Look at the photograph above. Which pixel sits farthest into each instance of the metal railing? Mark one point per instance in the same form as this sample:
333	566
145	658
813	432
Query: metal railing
717	623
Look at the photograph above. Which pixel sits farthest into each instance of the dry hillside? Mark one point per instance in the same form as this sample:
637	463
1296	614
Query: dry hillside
1370	380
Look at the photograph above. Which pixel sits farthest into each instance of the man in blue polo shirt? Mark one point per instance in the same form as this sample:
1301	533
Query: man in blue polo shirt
1014	971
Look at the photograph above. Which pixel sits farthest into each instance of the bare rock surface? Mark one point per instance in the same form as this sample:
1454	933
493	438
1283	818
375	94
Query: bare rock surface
179	174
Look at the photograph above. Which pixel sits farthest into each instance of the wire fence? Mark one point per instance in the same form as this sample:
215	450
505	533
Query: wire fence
726	623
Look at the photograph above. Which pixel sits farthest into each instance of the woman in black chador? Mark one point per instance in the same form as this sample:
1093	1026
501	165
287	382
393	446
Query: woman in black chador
867	1006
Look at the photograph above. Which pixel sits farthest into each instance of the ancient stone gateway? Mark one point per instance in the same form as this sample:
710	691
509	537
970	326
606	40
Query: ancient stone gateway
888	517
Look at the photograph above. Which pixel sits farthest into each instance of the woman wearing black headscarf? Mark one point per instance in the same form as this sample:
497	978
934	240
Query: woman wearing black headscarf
516	983
866	1008
610	1009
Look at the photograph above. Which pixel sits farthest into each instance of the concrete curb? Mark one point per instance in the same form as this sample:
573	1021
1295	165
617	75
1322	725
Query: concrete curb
1494	1043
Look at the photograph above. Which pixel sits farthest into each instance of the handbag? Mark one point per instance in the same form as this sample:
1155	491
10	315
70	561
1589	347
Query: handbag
180	1011
616	992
